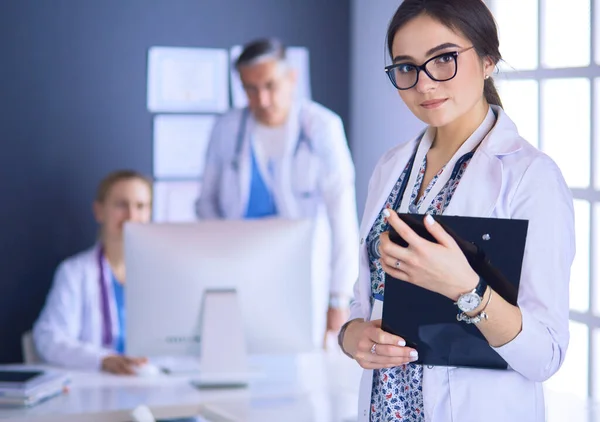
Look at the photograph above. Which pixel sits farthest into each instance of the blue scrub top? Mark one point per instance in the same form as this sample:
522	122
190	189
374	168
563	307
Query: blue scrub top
261	202
119	289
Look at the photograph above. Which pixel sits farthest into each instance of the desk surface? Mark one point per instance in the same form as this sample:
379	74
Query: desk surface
301	383
327	391
98	397
320	388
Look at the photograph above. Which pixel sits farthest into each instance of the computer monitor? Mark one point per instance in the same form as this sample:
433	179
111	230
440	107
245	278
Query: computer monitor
171	267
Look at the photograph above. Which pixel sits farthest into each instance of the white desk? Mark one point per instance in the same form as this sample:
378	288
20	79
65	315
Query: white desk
323	389
326	391
318	405
337	397
103	397
308	392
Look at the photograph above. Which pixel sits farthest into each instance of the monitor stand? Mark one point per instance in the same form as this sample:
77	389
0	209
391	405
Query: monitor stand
223	355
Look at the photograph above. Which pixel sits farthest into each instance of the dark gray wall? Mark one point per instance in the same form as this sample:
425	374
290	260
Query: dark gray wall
379	119
73	107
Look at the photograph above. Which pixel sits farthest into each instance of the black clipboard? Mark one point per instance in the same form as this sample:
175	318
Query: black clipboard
427	320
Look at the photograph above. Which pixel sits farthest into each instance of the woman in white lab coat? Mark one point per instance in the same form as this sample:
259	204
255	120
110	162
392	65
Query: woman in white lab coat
470	161
82	323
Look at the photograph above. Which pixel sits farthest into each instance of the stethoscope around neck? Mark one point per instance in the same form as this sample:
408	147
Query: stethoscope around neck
241	135
412	207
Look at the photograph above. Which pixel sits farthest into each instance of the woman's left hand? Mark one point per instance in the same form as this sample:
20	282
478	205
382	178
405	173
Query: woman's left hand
440	267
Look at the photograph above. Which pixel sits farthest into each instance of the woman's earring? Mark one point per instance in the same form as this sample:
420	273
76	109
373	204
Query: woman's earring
486	77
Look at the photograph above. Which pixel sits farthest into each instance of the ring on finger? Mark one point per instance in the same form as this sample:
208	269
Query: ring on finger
397	264
373	349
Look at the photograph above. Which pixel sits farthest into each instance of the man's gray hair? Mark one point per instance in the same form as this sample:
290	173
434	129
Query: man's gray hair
261	50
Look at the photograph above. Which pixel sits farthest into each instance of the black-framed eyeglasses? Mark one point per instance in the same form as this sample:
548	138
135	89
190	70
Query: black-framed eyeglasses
440	68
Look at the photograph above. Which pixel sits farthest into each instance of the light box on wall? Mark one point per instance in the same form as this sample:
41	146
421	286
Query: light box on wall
192	80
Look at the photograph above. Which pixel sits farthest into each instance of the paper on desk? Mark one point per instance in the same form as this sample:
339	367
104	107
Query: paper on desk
175	202
187	80
142	414
298	58
180	143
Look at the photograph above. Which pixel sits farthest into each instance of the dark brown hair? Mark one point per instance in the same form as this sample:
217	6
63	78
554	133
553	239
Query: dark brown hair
117	176
472	18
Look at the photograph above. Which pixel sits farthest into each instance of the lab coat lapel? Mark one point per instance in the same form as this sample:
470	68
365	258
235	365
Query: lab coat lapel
388	176
284	172
481	185
244	167
479	188
380	187
103	274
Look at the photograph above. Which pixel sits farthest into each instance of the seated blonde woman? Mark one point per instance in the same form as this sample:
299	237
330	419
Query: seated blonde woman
82	324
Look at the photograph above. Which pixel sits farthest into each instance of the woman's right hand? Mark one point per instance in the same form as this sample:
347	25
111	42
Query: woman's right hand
389	350
121	365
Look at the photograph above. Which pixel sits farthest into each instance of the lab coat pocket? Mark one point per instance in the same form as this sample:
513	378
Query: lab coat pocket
504	395
306	172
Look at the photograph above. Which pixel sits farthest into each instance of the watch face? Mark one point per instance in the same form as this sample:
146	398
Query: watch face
468	302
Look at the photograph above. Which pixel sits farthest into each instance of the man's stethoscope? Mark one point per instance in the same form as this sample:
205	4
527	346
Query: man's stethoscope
241	135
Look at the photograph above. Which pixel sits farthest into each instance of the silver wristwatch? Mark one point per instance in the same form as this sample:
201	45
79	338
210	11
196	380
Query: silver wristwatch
476	319
470	301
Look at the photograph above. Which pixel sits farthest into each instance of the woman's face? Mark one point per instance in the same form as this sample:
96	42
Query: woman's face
127	200
440	103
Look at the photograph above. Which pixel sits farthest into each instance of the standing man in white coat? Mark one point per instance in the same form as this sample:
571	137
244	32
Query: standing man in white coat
285	158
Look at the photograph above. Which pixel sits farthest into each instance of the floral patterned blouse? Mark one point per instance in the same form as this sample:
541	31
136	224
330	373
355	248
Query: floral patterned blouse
397	393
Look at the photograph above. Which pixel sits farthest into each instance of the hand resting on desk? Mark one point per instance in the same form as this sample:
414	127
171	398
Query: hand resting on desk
389	350
122	365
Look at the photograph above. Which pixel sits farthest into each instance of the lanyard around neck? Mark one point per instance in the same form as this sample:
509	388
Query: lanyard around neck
104	305
450	169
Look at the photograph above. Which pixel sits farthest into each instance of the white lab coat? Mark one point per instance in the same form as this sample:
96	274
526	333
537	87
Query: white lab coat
506	178
315	181
68	331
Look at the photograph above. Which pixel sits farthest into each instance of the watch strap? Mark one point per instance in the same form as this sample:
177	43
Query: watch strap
480	288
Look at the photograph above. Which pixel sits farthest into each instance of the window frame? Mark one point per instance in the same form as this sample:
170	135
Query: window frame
591	194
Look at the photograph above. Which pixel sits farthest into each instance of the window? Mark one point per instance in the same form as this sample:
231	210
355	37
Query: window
550	86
